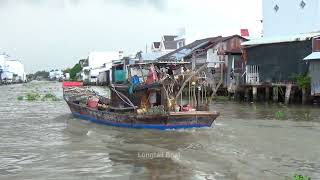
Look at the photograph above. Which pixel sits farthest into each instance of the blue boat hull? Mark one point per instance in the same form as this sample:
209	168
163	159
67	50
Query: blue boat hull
137	126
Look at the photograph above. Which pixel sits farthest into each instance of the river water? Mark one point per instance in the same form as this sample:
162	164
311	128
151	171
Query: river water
41	140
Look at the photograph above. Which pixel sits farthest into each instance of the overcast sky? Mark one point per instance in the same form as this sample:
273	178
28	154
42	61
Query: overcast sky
47	34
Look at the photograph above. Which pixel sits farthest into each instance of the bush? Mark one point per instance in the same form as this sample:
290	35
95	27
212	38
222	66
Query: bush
300	177
34	96
50	96
303	81
280	115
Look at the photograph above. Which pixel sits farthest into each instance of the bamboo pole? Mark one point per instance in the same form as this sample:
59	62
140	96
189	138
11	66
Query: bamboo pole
189	78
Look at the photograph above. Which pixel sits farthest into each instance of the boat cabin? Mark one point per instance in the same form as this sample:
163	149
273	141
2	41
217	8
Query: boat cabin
155	87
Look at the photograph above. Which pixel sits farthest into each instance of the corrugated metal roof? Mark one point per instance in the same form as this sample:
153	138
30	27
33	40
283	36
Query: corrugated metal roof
313	56
186	50
281	39
151	56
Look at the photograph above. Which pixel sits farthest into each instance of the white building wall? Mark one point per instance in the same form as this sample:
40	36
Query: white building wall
290	18
56	74
100	62
98	59
12	67
2	62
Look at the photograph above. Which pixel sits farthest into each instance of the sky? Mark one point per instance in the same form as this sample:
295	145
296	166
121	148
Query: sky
55	34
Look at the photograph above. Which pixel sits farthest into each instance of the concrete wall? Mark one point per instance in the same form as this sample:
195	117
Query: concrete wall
290	18
56	74
12	67
98	59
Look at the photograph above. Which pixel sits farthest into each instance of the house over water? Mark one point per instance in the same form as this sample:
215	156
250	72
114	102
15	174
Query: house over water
314	67
221	53
277	59
272	61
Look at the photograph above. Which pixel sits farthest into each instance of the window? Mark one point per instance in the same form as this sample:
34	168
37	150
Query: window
276	8
180	44
302	4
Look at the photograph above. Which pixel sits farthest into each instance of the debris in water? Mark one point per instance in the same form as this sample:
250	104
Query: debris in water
35	96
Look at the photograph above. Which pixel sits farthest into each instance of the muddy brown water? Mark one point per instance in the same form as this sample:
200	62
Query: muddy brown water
41	140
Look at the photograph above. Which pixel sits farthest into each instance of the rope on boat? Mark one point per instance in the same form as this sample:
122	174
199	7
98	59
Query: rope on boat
121	96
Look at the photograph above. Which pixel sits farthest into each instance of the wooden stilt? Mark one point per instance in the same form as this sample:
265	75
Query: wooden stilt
275	93
255	93
198	98
189	95
304	95
202	87
267	97
293	92
246	94
194	96
288	92
237	95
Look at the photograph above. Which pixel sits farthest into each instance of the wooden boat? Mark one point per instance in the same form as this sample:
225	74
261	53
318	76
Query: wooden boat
124	109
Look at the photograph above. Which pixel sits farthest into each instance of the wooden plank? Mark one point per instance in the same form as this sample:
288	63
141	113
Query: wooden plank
192	113
255	93
288	92
275	94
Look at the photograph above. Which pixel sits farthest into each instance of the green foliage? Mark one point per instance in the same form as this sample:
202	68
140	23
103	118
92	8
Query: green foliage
66	70
73	71
300	177
41	75
307	116
50	96
280	115
30	77
304	81
34	96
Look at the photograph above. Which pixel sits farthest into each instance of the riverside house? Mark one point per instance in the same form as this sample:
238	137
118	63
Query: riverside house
96	63
12	70
274	59
224	53
313	61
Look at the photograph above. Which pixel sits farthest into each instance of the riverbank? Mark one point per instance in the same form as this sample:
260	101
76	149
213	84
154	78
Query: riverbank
10	83
41	140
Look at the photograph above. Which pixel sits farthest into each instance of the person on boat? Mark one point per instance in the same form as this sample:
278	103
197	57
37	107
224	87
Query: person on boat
152	75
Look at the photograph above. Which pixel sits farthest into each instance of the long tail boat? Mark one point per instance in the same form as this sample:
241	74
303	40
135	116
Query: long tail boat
141	105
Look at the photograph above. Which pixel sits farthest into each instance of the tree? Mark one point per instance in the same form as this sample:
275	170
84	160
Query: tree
74	71
66	71
41	75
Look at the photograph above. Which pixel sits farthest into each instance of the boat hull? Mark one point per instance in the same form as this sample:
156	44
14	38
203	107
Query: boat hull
160	122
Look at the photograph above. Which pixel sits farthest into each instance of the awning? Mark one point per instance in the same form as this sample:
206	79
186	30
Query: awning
313	56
